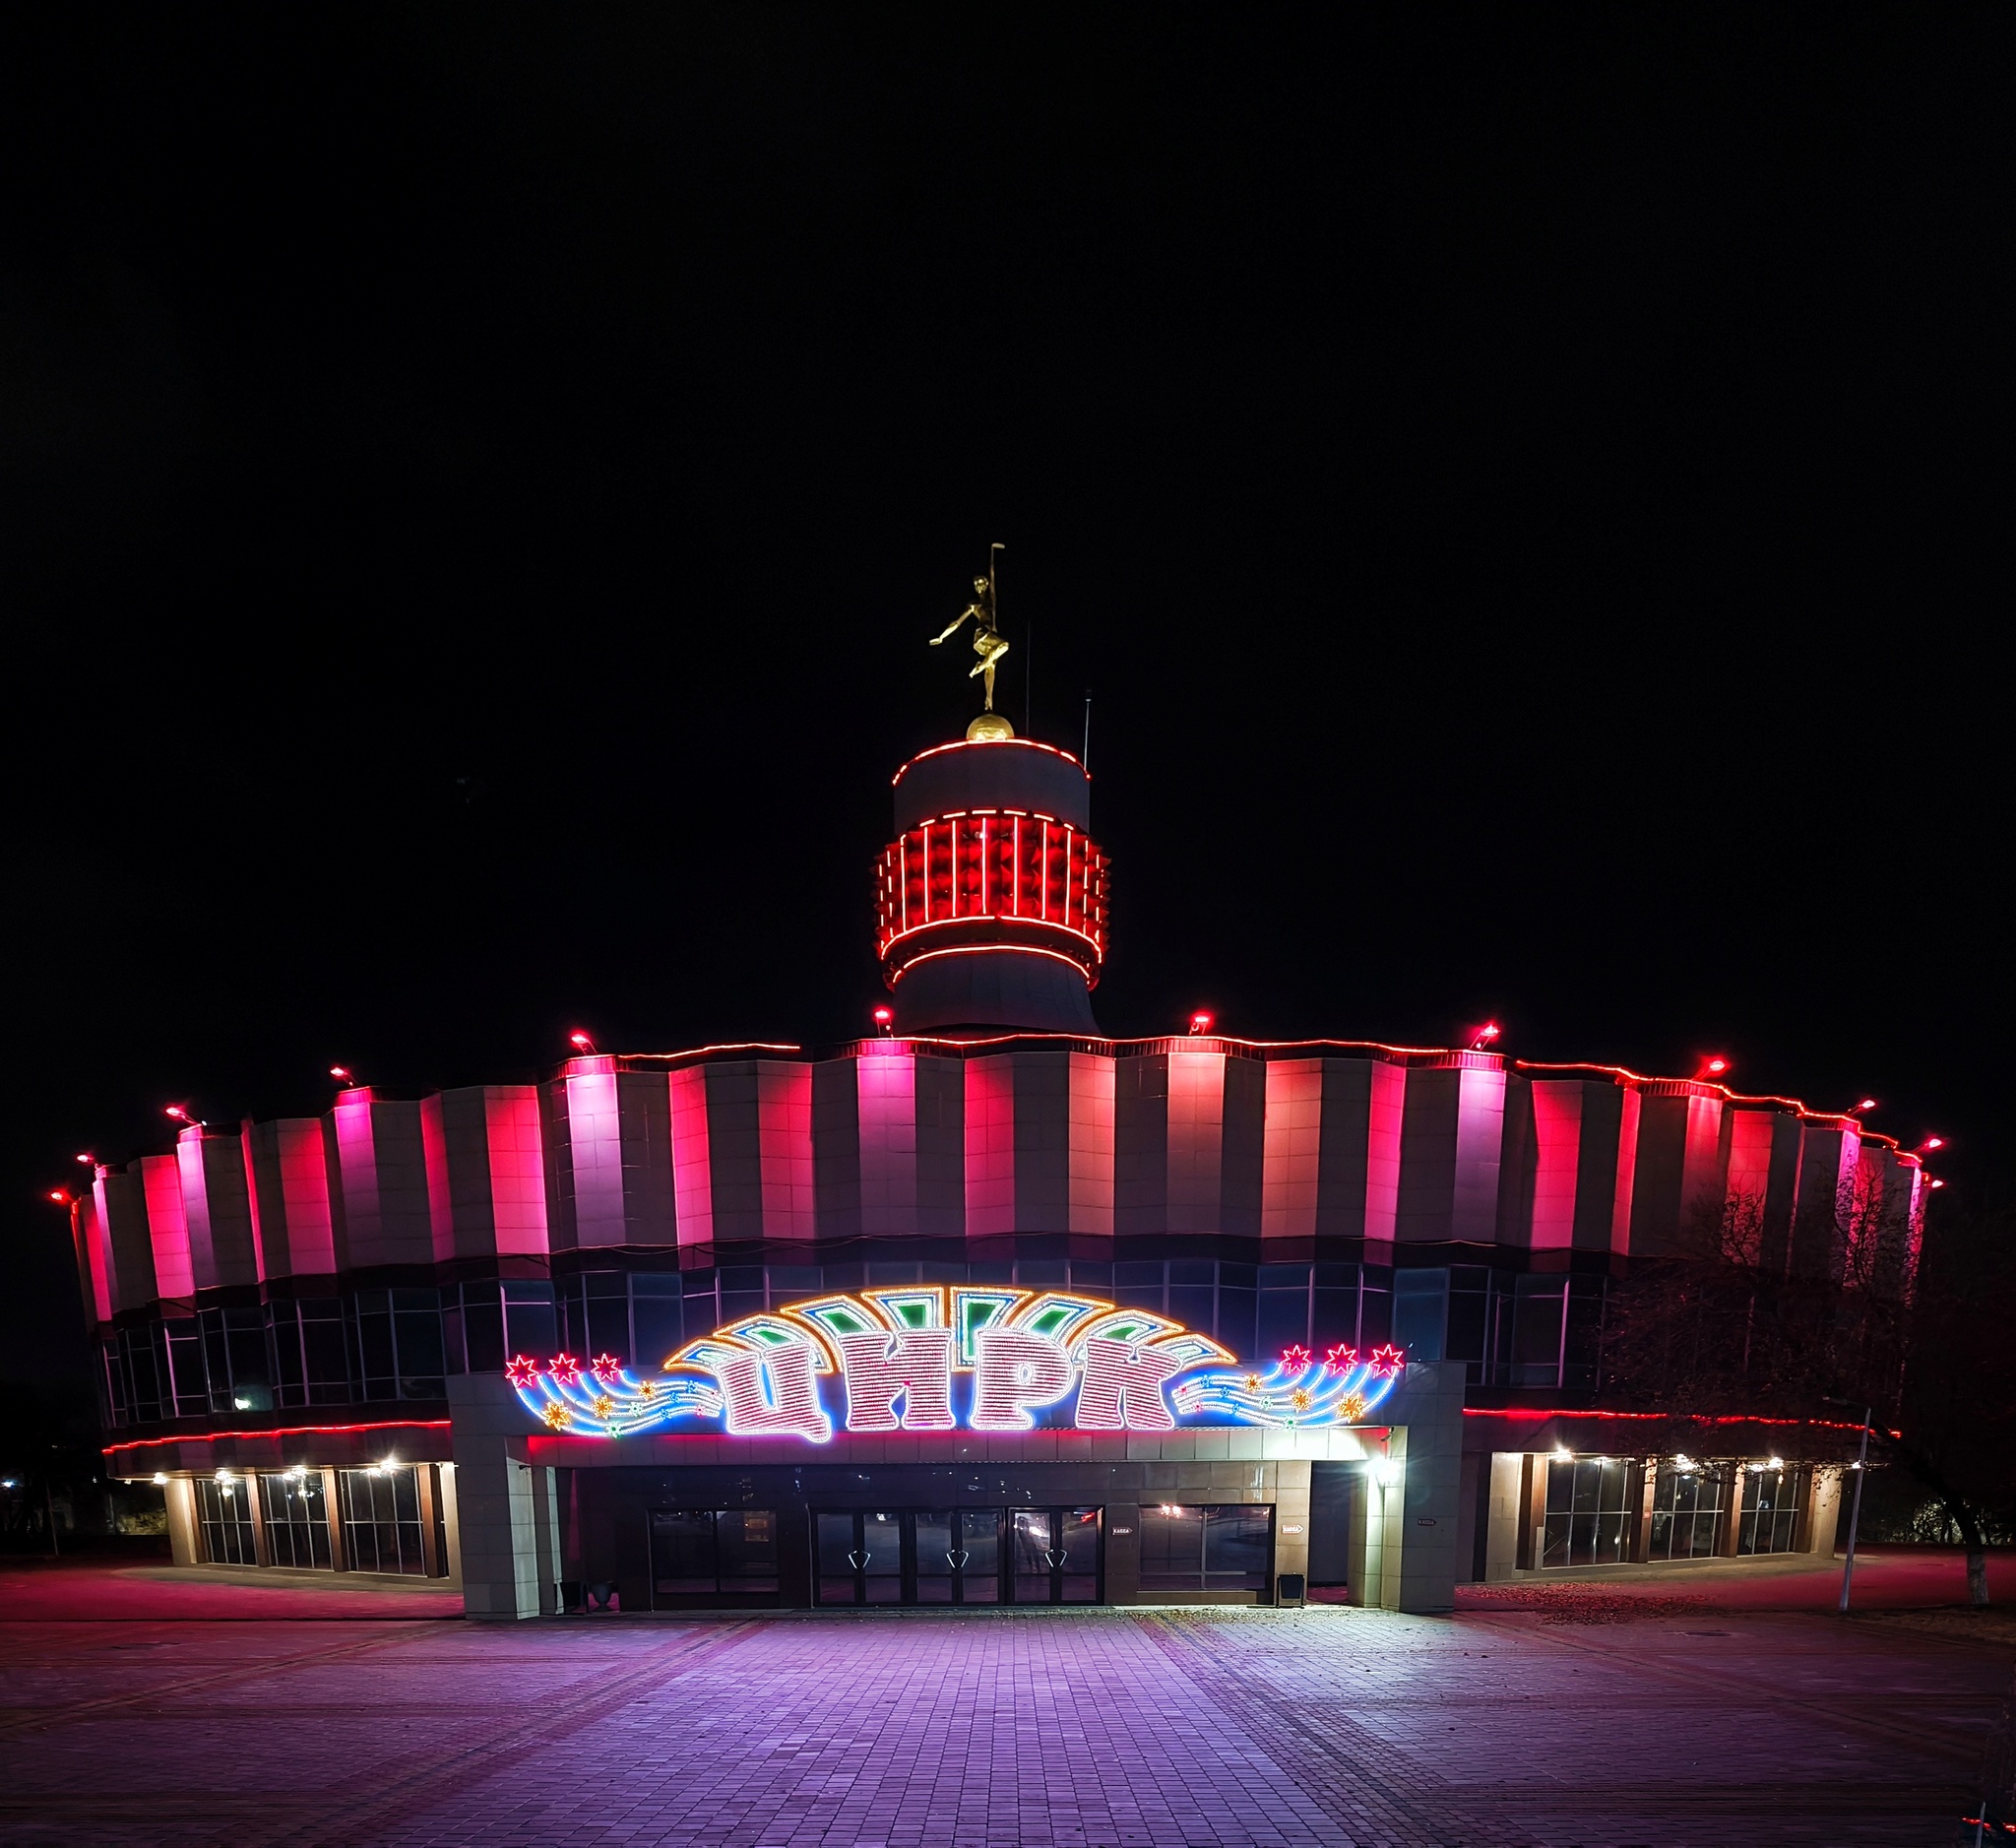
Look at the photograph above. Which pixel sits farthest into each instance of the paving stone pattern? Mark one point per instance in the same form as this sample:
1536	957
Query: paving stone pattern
1346	1728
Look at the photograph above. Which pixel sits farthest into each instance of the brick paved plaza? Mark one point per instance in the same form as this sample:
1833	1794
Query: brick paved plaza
1326	1725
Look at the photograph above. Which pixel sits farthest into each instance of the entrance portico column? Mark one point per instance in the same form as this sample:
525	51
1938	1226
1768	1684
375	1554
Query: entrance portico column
1403	1554
501	1569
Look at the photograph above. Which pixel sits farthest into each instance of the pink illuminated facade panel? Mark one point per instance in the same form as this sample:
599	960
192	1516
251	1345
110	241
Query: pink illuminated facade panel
1091	1177
1480	1136
1196	1140
382	1214
1385	1117
989	1146
216	1209
1625	1188
1291	1160
784	1100
594	1175
88	1227
1556	1105
160	1178
516	1164
886	1120
692	1166
129	1248
287	1177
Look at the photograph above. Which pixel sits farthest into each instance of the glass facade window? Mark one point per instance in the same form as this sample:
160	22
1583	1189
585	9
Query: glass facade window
1211	1548
1768	1520
709	1557
297	1515
1686	1512
1539	1322
1588	1513
1421	1312
381	1520
223	1511
388	1345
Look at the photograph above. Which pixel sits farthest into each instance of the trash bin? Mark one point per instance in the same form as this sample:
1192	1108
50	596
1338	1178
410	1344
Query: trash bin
1292	1588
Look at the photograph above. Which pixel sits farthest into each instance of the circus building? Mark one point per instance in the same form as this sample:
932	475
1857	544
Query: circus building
983	1309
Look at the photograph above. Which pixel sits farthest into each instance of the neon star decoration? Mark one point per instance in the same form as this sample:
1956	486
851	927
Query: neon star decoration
1296	1393
944	1358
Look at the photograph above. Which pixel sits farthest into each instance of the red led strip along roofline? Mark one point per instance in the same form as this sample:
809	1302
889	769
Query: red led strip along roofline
283	1430
1692	1418
1373	1045
968	744
1805	1110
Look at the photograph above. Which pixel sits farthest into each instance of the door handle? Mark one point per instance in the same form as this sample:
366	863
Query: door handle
1054	1559
859	1558
958	1560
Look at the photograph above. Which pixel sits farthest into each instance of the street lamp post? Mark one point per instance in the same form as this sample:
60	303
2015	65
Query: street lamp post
1854	1512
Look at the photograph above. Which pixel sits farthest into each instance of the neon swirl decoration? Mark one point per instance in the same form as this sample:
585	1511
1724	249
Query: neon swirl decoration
943	1358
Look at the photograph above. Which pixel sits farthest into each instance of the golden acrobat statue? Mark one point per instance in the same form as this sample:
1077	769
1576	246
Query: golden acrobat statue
987	643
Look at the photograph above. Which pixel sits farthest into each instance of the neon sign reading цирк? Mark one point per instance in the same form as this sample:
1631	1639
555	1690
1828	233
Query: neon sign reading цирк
950	1357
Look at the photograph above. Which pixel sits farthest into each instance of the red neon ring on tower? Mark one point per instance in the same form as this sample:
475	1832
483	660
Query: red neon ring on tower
991	879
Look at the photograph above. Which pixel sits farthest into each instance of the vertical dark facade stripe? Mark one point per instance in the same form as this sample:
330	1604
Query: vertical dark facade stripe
1141	1146
837	1148
644	1117
1043	1142
1243	1157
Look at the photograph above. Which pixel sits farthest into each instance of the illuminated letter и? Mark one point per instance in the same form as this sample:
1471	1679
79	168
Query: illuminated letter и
914	1361
792	1406
1122	1389
1014	1369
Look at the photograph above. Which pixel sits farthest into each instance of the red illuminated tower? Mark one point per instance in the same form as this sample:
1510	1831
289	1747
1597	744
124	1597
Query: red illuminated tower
992	900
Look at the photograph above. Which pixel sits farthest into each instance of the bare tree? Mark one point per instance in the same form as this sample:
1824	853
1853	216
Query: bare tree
1865	1317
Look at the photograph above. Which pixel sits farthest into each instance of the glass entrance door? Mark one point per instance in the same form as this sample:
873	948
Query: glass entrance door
860	1556
959	1555
1055	1556
956	1556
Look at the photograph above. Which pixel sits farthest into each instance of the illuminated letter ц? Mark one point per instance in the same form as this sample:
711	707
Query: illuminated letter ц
1014	1369
1122	1387
792	1406
913	1361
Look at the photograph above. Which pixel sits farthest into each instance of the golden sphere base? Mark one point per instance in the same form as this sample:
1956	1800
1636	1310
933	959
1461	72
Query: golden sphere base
988	729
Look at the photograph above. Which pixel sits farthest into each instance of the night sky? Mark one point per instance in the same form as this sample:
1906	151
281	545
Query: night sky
1528	491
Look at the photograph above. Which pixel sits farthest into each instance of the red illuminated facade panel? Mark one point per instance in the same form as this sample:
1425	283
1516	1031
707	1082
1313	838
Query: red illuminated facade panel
167	1225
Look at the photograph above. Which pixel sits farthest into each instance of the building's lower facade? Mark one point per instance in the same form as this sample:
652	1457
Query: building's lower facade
306	1325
